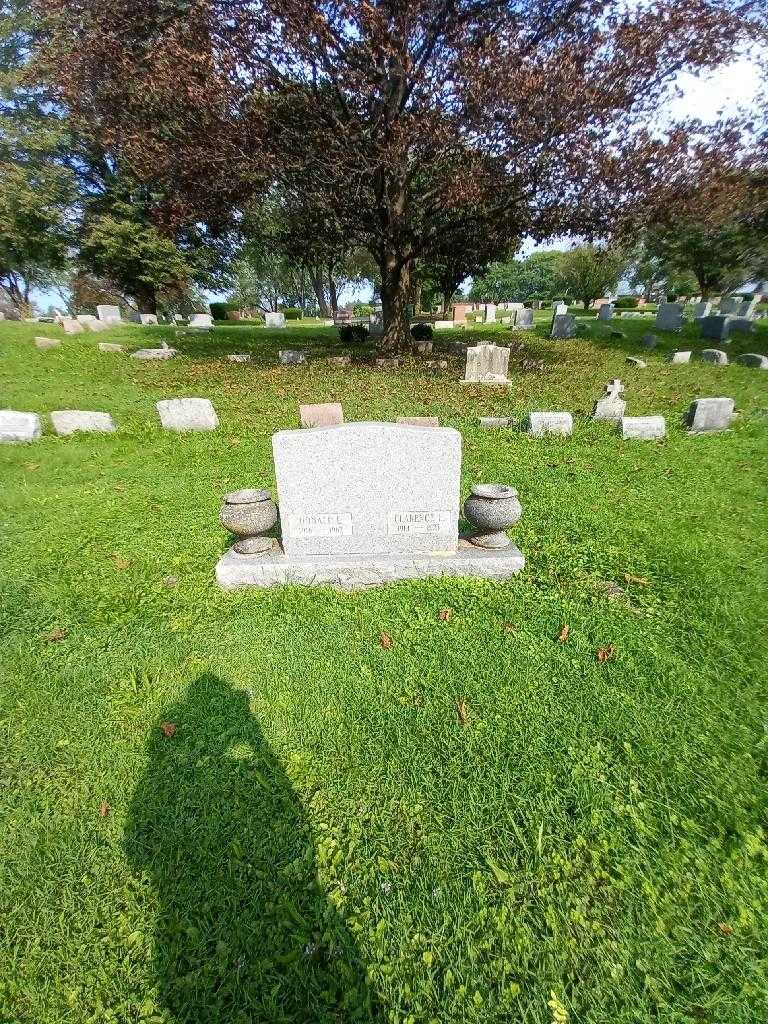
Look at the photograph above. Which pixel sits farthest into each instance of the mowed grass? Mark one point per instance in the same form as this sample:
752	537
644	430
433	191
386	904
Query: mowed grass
322	838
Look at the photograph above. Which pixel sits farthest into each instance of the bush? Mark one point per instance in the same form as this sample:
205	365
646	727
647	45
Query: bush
362	309
292	313
627	302
353	334
219	310
422	332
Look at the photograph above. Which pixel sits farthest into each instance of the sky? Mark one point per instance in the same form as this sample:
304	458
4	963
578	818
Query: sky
722	91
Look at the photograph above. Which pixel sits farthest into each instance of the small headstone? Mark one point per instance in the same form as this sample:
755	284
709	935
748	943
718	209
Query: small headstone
560	309
701	309
436	364
327	414
729	306
495	422
368	488
605	312
71	326
154	353
680	357
716	328
419	421
617	334
339	360
443	325
524	318
742	325
670	316
643	428
490	313
108	313
486	364
388	363
274	319
74	421
639	364
650	340
100	325
148	319
708	414
187	414
85	318
563	325
612	406
202	321
291	356
753	359
109	346
424	348
714	355
539	424
45	343
19	426
239	357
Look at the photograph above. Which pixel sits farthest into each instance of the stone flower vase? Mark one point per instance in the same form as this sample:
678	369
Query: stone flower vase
491	509
249	514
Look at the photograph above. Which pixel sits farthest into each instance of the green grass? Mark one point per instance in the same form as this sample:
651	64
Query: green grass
322	840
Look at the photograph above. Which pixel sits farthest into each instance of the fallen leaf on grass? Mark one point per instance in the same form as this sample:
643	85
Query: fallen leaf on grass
32	465
606	653
57	634
121	564
510	627
445	614
564	633
385	640
725	929
168	729
104	808
636	579
461	711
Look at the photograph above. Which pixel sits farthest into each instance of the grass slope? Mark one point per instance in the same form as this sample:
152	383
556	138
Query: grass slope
322	839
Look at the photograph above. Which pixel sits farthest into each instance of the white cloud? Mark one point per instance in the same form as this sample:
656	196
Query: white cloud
724	90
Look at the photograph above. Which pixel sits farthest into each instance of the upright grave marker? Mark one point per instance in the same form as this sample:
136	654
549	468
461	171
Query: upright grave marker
486	364
670	316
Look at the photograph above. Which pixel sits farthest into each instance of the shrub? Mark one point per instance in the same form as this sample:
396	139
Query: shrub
353	334
362	309
421	332
219	310
292	313
627	302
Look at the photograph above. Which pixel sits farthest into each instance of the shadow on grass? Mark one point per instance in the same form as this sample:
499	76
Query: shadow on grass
244	932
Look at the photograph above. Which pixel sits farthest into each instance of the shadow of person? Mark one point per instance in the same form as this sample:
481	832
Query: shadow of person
244	934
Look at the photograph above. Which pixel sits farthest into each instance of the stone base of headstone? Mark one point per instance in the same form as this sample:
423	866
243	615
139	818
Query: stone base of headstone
358	572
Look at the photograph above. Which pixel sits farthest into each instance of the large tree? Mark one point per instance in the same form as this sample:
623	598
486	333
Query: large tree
415	124
588	272
519	279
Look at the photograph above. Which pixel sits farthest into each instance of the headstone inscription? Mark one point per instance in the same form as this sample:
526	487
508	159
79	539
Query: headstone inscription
670	316
486	364
368	488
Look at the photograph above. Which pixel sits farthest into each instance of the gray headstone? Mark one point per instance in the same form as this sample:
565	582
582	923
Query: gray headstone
326	414
187	414
108	313
202	321
714	355
701	309
729	305
563	325
148	319
742	325
274	319
73	421
487	364
368	488
45	343
643	428
753	359
291	356
680	357
154	353
640	364
716	328
19	426
650	340
605	312
71	326
524	318
109	346
706	414
539	424
494	422
611	407
670	316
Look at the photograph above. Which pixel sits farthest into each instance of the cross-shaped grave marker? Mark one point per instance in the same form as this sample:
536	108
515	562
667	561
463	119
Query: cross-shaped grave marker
614	388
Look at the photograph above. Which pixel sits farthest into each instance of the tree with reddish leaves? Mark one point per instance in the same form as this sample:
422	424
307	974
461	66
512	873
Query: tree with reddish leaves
415	125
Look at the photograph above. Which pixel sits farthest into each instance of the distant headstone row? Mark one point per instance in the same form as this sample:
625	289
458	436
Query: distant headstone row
180	414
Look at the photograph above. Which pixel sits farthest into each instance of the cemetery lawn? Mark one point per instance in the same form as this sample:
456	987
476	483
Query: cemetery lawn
541	801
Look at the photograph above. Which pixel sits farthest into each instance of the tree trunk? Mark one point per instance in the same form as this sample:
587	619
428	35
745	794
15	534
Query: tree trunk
332	292
395	293
146	297
586	303
448	286
316	277
417	296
